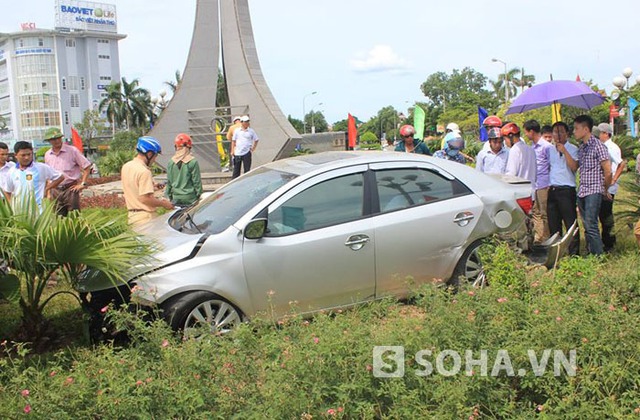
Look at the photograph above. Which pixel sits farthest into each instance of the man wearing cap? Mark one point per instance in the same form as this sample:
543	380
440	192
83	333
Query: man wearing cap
244	143
617	167
493	160
75	167
236	124
451	128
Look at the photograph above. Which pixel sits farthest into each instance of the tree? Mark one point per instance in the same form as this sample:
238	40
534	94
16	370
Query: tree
137	103
173	84
92	125
296	123
112	105
127	104
316	119
369	141
342	125
222	94
384	124
36	244
463	89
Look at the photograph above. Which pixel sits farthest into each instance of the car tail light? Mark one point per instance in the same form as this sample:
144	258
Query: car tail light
526	204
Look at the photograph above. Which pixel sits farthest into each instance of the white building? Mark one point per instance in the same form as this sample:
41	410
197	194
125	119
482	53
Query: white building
51	77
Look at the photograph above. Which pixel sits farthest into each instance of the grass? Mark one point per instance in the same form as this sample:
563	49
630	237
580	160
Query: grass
320	368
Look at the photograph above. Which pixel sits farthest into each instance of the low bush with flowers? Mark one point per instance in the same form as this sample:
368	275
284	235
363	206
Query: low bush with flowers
322	367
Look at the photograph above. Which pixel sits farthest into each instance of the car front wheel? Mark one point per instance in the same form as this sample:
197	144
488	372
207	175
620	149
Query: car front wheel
196	313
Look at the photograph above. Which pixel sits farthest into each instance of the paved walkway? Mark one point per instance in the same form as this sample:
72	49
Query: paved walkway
210	182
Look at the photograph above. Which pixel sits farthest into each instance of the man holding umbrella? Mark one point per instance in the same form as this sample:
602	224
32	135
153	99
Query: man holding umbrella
594	168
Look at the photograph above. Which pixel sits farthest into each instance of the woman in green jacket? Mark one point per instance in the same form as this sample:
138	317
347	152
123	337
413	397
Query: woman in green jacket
184	185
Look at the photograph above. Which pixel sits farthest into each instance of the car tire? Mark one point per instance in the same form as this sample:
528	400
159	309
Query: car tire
195	312
470	271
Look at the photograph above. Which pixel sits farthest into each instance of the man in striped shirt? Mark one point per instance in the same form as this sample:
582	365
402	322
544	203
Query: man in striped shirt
594	168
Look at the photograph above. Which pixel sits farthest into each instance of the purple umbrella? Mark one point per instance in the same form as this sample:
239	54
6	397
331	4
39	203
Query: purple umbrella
564	92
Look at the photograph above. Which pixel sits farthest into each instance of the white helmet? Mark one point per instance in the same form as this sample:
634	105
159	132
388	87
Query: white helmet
453	127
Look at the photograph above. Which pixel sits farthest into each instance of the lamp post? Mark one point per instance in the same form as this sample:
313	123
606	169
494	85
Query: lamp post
622	83
506	80
627	72
304	121
313	125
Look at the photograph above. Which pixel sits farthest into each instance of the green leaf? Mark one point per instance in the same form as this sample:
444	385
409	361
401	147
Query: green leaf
10	287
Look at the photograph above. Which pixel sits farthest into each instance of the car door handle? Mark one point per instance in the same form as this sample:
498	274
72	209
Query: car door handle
356	242
463	219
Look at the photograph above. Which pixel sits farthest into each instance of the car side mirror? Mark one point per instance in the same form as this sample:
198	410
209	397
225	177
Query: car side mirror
255	229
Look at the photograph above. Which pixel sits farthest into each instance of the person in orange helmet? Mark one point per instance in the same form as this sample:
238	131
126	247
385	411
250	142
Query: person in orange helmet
184	184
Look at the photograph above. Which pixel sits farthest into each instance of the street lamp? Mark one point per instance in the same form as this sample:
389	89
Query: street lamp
506	80
313	126
304	121
627	72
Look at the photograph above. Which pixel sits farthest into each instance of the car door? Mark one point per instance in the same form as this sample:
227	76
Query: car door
318	251
424	222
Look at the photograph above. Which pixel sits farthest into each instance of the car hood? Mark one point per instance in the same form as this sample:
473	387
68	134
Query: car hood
170	244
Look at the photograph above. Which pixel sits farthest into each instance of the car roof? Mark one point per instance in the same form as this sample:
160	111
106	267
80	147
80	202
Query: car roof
303	164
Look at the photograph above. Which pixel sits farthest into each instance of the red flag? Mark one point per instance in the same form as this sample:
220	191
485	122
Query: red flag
578	78
352	132
76	140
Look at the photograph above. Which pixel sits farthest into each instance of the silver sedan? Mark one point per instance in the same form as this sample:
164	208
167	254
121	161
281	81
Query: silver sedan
325	231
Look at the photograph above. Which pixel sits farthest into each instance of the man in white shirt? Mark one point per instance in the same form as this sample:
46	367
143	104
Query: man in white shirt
617	167
5	165
31	177
561	203
244	143
522	158
493	160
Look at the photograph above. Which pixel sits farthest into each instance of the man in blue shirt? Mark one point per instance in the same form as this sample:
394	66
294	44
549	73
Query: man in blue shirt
493	160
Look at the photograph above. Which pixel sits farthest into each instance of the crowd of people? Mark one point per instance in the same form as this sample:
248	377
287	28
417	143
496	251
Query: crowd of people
551	163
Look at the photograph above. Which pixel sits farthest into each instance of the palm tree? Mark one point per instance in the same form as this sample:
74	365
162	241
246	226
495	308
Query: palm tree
35	244
519	79
112	105
136	103
173	84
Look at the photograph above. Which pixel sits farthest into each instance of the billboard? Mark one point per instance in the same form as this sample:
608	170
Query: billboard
86	15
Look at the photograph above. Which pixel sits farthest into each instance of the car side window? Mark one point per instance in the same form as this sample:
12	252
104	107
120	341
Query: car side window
402	188
327	203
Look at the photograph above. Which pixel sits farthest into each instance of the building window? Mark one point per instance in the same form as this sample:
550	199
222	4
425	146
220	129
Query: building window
82	85
107	78
74	100
66	118
104	57
21	43
40	42
71	43
64	83
103	41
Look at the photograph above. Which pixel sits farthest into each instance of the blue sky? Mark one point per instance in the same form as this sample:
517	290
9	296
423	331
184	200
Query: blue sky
363	55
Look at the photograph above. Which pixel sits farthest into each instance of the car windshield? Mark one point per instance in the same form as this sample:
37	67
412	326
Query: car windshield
225	206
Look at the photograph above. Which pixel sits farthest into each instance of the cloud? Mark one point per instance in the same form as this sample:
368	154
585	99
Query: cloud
381	58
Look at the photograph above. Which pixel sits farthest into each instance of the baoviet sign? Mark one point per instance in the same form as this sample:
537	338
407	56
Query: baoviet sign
86	15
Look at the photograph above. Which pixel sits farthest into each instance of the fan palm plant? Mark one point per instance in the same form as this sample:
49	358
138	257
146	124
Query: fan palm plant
35	244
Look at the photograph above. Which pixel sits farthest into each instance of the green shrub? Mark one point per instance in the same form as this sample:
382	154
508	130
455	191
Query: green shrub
112	162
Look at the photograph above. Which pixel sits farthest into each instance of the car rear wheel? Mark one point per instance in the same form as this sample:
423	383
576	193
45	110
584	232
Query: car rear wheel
196	313
470	269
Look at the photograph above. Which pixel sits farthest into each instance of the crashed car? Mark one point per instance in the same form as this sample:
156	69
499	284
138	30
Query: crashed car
327	230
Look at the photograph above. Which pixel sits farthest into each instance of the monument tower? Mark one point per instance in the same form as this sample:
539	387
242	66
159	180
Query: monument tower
193	109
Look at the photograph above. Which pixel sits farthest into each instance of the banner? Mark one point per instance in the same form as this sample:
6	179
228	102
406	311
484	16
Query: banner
482	115
76	140
352	132
418	122
633	104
